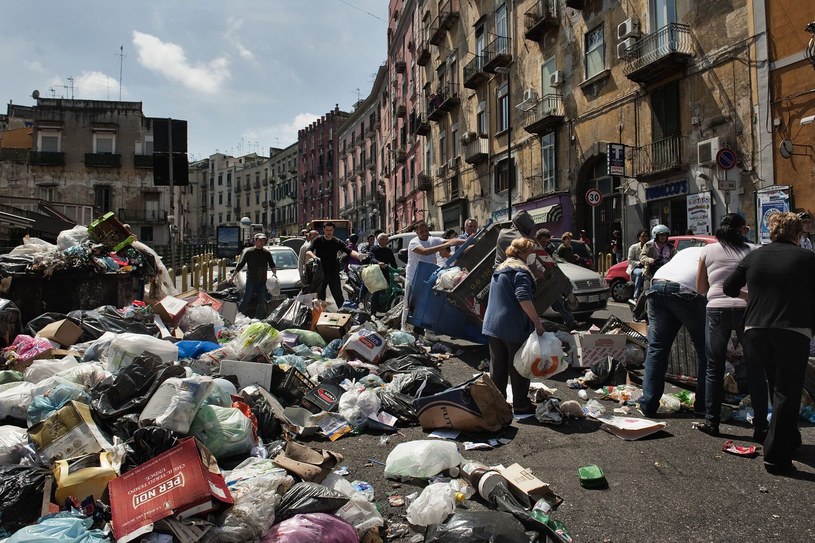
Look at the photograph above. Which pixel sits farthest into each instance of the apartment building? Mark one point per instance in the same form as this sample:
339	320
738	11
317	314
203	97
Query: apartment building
361	187
317	167
534	104
282	197
78	159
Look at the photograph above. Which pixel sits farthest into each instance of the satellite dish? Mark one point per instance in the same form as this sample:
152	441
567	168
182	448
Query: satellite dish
785	148
36	94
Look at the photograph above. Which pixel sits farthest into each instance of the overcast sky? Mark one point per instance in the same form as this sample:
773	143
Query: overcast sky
245	74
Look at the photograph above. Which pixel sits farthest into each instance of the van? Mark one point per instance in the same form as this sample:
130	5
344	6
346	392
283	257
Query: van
397	242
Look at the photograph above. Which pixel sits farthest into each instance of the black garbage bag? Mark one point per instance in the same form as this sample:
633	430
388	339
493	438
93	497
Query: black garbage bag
276	316
95	322
404	364
10	322
132	386
22	491
358	316
124	427
228	293
309	498
502	499
339	372
400	406
422	380
268	426
478	527
147	443
296	315
314	276
38	323
398	351
202	332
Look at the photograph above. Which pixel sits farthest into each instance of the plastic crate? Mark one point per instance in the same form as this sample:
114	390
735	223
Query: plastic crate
110	232
290	386
613	323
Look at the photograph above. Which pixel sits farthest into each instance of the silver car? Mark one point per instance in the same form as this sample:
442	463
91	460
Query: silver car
590	291
285	260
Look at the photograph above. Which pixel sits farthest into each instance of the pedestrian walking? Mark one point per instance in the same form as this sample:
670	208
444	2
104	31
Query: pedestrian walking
325	248
672	302
256	259
301	258
510	319
778	322
635	266
723	316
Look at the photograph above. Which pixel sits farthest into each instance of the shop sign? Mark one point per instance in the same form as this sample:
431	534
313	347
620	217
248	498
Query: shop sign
699	210
616	159
667	190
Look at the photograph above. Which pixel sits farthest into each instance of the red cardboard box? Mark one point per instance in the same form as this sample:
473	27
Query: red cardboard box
183	481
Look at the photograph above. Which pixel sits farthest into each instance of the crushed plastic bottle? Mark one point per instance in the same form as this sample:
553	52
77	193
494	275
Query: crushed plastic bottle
594	409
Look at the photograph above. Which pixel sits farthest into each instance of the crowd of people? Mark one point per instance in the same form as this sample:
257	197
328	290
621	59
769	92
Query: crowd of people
765	295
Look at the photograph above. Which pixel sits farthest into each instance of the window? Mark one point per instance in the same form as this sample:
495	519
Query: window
257	198
502	176
548	166
146	233
502	111
49	142
442	147
104	143
247	198
501	22
229	216
220	218
101	198
48	193
481	119
148	146
220	179
220	199
595	52
455	141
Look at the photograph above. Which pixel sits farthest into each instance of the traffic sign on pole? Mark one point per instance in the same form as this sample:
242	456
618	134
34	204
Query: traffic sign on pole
593	197
726	159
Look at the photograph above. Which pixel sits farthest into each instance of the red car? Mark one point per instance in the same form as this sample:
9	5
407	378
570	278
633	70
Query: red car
618	279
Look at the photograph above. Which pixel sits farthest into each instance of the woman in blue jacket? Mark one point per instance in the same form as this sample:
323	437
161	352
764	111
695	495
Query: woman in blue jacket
510	319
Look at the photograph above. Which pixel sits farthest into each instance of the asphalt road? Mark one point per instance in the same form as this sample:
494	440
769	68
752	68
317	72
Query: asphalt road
675	486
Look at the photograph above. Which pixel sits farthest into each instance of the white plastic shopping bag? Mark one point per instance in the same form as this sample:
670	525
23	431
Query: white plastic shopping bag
540	356
373	278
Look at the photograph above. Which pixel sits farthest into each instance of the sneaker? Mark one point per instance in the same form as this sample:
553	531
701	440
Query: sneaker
709	429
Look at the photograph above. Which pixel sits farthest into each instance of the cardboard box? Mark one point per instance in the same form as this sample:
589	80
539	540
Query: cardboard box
170	308
64	332
249	373
630	428
68	433
205	299
593	348
333	325
229	310
183	481
526	487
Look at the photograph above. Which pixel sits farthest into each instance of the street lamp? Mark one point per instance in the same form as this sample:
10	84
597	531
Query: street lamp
246	221
510	170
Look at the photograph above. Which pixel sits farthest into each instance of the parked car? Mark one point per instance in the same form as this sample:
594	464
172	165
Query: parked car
285	260
586	259
590	291
618	279
398	242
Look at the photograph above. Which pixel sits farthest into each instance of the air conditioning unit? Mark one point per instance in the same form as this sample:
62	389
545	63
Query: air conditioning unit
556	79
707	150
442	170
624	46
630	28
530	95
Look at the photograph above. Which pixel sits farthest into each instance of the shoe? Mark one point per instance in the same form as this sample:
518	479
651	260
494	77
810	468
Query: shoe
528	410
709	429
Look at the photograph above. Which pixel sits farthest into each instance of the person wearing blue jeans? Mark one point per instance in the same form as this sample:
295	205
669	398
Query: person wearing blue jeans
673	302
256	260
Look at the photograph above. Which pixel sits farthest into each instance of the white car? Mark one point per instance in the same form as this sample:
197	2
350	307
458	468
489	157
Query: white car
590	291
285	260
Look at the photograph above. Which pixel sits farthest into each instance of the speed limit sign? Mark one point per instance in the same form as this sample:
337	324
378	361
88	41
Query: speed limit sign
593	197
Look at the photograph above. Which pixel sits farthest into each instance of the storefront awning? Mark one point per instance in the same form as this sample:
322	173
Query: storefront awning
546	214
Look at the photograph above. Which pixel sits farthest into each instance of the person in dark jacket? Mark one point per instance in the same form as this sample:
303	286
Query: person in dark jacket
510	319
257	260
778	323
325	248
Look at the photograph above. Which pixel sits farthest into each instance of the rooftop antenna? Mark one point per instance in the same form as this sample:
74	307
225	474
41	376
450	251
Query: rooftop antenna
121	55
71	86
53	92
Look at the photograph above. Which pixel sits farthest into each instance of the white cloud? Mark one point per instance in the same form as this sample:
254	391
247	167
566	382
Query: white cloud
233	30
96	86
169	60
283	134
35	66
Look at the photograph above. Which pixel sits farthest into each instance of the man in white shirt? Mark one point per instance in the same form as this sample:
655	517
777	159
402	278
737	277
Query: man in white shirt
422	248
673	302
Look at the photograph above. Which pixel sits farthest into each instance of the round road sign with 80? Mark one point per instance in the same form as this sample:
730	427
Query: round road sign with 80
593	197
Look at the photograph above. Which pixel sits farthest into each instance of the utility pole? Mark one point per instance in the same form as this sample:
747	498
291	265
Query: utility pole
121	55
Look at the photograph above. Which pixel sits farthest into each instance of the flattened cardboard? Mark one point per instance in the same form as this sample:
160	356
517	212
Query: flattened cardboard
333	325
525	486
249	373
68	433
183	481
64	332
630	428
205	299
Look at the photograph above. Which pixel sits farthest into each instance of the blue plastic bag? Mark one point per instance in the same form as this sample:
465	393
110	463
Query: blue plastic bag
65	527
194	349
42	406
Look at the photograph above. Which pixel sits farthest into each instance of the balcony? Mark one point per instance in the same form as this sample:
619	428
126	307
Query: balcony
424	182
423	53
400	66
103	160
237	188
445	99
401	110
143	161
400	155
421	126
401	199
498	54
447	17
474	74
545	116
659	158
658	55
46	158
142	215
371	164
540	18
477	150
